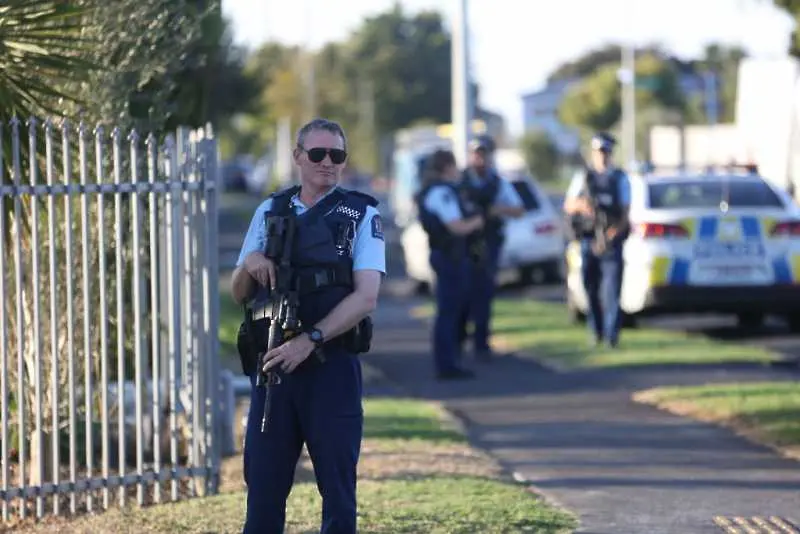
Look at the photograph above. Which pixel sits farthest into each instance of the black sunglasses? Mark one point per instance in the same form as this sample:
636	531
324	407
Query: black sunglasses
316	155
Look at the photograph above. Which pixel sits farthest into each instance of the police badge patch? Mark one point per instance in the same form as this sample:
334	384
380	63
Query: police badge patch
377	227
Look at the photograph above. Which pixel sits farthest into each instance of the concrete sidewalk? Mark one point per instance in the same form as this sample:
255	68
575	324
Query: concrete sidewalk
624	468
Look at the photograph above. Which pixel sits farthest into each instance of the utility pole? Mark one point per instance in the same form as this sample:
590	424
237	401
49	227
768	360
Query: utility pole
460	82
628	80
310	74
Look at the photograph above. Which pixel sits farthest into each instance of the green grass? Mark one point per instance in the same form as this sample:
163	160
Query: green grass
417	474
769	412
544	330
230	317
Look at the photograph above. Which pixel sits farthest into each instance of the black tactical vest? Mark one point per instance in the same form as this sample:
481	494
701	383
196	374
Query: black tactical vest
603	190
483	195
322	254
439	237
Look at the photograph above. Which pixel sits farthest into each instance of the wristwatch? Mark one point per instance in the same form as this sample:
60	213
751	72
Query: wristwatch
315	335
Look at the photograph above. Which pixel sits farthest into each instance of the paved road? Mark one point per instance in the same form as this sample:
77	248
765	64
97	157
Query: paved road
625	468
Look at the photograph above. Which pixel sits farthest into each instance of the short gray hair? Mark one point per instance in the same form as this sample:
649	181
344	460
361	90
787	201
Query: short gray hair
316	125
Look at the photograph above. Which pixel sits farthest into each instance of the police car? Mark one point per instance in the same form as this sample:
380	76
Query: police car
532	250
717	242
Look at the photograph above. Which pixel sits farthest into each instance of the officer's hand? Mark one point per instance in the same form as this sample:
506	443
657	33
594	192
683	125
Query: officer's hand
611	233
585	207
261	268
290	354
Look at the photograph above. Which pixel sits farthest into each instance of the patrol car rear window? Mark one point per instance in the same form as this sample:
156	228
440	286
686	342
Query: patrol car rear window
527	195
709	193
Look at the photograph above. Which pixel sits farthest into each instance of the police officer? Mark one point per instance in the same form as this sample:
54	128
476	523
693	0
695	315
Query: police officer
495	198
317	402
607	189
447	221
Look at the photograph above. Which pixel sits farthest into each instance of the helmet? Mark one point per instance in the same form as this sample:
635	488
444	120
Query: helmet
603	142
482	142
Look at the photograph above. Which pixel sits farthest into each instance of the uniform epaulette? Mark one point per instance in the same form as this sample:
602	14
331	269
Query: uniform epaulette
291	190
372	201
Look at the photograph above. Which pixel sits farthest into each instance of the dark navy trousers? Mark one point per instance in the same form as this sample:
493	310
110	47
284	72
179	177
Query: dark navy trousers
602	279
451	291
478	306
319	405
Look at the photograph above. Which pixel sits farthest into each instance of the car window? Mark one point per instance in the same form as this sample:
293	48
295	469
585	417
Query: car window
526	193
708	193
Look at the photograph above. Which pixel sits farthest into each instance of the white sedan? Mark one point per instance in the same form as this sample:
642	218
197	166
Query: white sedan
533	246
716	243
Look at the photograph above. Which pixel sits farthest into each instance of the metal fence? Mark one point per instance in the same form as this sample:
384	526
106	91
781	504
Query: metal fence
109	349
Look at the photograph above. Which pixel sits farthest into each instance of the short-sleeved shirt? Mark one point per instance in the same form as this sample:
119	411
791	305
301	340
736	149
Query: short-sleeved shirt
623	187
506	194
441	201
369	247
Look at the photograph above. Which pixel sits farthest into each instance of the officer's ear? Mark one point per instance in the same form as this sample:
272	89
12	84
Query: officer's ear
297	153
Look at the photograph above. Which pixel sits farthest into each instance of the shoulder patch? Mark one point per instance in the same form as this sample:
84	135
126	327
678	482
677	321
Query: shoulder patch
377	227
372	201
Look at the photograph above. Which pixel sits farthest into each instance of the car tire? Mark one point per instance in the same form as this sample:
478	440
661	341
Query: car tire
750	320
793	321
529	276
629	321
576	316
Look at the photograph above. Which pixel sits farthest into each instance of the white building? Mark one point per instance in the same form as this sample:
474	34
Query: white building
540	112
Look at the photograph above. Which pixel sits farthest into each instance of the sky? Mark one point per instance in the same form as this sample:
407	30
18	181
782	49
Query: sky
515	44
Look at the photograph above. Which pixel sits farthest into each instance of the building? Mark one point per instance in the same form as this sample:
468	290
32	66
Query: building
540	112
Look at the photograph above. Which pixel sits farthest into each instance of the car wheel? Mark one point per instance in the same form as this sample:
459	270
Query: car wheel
576	316
750	320
793	321
629	320
532	275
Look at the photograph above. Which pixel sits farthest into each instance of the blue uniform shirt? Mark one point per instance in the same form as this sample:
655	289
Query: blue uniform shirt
506	194
623	187
369	248
442	201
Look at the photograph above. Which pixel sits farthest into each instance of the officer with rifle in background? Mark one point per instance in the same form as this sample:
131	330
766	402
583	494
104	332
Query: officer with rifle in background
318	251
597	203
495	198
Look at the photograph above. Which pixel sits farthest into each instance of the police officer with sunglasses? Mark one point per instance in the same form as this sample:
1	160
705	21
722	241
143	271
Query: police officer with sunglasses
338	260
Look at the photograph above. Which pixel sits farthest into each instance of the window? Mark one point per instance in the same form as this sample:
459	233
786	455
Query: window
526	193
708	193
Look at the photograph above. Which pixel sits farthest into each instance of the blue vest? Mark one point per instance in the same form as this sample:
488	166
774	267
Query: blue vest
322	248
603	190
483	195
439	237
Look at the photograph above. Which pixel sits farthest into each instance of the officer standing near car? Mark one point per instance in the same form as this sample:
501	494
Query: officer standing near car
447	220
495	198
597	203
339	260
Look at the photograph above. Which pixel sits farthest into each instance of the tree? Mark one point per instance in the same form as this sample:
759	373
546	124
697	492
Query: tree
541	155
595	102
723	62
792	7
593	60
407	59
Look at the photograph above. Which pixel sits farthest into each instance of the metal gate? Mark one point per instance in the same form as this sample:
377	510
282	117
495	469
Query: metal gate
109	349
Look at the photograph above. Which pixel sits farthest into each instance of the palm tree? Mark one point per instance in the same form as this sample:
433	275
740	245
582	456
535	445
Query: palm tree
41	48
